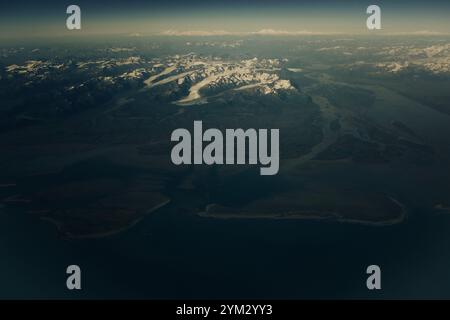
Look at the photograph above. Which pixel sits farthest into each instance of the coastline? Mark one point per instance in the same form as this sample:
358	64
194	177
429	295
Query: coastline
442	209
71	236
308	215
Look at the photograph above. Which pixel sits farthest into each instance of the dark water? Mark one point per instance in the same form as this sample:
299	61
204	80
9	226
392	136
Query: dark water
178	256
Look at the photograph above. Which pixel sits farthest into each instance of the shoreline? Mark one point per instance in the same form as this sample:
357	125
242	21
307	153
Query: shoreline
71	236
309	215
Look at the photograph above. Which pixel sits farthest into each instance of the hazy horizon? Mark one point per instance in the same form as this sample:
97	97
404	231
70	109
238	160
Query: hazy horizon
47	18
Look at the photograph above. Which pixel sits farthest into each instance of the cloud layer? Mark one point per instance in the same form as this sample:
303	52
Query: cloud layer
270	32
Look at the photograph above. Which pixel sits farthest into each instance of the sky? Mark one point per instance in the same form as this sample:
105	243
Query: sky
46	18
